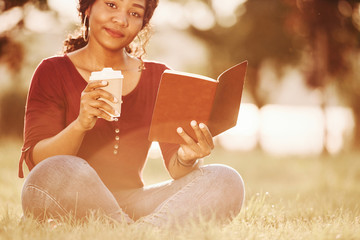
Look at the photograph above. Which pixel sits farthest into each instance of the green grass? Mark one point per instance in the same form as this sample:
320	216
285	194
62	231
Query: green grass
307	197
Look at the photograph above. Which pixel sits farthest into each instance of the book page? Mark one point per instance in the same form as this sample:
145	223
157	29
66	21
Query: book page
192	75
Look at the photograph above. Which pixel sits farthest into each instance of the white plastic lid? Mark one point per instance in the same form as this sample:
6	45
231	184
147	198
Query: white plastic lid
106	73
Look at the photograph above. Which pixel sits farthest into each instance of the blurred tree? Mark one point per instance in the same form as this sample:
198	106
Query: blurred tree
12	101
323	35
12	113
11	52
259	35
8	4
333	41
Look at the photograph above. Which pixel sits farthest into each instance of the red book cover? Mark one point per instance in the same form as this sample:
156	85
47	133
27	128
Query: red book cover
183	97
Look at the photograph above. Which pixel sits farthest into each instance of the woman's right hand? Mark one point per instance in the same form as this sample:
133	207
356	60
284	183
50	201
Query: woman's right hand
92	108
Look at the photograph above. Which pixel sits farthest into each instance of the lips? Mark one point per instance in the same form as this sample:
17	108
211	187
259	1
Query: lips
114	33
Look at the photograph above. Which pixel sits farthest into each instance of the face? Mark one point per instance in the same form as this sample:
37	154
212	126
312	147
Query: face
115	23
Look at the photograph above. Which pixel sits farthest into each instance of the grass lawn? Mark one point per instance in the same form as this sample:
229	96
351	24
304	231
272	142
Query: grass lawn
293	197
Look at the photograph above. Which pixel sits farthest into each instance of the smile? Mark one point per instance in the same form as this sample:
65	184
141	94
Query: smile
114	33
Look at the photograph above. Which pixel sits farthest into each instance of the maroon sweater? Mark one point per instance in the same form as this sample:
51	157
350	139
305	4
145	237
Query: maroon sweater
116	150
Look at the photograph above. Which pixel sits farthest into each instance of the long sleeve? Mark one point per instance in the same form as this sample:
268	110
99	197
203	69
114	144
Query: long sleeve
44	111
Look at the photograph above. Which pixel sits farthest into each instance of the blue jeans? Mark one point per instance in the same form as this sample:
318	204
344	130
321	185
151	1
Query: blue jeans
64	185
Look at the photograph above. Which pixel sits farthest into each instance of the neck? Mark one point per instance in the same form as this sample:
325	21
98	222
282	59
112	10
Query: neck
99	58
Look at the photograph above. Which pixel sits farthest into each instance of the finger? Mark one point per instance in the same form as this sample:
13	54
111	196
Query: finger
100	93
188	140
202	141
205	130
187	154
93	112
99	99
105	116
199	134
90	107
104	107
95	84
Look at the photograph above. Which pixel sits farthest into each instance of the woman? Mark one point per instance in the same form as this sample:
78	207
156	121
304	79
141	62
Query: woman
81	159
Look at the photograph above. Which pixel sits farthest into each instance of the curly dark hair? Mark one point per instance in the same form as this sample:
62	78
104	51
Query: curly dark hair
137	47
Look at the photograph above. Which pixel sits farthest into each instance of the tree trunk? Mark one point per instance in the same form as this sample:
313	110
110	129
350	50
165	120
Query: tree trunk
356	142
253	76
320	76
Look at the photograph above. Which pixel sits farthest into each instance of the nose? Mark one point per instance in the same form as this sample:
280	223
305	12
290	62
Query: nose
121	19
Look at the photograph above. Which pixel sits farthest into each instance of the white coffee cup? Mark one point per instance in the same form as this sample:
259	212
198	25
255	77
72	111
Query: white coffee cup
115	80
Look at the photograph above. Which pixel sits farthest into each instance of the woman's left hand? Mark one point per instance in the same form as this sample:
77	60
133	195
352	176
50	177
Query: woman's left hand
194	149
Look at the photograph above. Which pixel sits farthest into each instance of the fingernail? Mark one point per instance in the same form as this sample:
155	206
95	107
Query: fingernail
193	123
115	100
103	82
117	113
179	130
201	125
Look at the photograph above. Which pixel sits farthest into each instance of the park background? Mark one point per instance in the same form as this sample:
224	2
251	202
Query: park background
298	135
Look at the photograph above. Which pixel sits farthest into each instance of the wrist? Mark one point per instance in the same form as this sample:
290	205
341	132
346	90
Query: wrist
77	126
187	164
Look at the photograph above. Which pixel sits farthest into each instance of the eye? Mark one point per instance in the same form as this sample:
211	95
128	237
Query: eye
135	14
110	4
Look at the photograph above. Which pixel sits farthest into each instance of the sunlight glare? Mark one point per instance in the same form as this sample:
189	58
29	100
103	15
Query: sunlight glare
39	21
199	15
66	8
244	136
226	11
291	130
154	151
339	122
10	18
170	13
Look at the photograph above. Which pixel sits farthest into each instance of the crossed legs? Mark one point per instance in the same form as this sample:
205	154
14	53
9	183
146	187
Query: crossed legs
63	185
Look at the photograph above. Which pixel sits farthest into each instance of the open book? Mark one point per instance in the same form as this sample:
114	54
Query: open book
183	97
